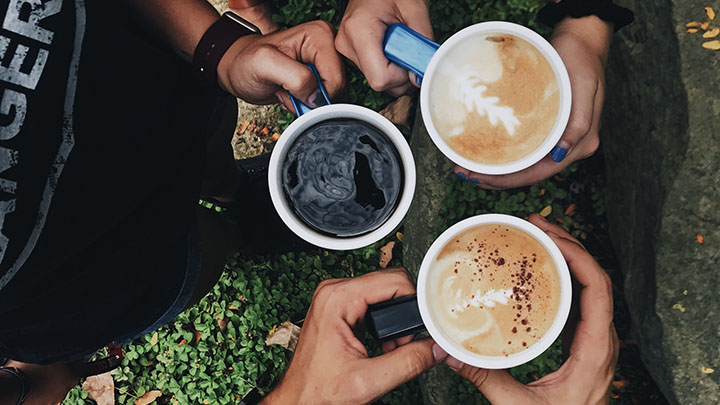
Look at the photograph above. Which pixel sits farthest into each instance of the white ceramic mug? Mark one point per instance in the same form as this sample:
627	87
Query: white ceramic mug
421	56
410	315
333	112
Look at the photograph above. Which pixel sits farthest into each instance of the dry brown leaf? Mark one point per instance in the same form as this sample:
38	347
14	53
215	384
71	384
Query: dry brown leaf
546	211
700	238
198	335
542	191
100	388
692	30
614	395
182	342
265	131
620	384
712	33
275	137
386	254
285	335
222	322
710	13
685	292
706	370
693	24
679	307
154	339
243	127
705	25
148	398
571	209
233	307
398	112
400	236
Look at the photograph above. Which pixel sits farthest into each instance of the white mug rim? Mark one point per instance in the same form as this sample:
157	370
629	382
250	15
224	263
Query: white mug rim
496	362
561	75
339	111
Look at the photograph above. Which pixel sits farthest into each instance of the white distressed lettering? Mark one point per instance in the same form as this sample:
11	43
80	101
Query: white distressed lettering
13	104
33	11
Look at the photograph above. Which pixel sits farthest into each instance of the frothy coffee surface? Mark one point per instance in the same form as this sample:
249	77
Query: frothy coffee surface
494	99
494	290
343	177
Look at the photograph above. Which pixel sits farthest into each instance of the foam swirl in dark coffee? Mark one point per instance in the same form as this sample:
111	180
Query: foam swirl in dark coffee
343	177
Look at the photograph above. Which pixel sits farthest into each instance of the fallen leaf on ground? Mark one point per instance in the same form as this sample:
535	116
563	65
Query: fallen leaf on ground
542	191
245	124
710	13
685	292
712	33
182	342
400	236
386	254
693	24
614	395
285	335
148	398
700	238
706	370
275	137
679	307
100	388
705	25
546	211
619	384
265	131
154	339
222	322
198	335
398	112
712	45
571	209
692	30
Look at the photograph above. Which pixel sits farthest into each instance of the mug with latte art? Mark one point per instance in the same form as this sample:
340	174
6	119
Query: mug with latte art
495	97
493	291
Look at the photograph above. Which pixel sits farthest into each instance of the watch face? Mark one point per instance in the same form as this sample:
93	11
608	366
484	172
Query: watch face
241	21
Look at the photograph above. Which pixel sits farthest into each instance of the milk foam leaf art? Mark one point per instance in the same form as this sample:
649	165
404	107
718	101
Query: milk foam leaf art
495	97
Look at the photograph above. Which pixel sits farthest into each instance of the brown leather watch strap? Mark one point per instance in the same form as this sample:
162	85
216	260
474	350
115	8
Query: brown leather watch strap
216	41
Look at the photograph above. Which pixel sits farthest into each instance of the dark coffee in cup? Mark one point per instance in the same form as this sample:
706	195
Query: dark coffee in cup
343	177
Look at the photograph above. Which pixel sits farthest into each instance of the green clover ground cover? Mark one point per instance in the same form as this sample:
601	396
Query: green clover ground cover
215	352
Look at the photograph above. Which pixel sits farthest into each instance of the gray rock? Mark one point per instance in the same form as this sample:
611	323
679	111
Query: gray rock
432	168
661	141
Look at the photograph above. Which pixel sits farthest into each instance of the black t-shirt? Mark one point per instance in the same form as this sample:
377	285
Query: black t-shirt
101	151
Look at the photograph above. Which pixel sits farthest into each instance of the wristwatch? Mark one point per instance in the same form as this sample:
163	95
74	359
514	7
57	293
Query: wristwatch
22	380
606	10
216	41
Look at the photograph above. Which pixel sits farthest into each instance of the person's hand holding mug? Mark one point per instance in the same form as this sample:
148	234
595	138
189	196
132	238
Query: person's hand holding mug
586	375
361	33
331	364
583	45
263	69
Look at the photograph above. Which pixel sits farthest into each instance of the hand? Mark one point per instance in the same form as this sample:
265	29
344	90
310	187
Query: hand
361	34
586	375
331	366
262	69
583	45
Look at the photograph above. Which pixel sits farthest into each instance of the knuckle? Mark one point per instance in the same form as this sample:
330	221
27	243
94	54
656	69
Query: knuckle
322	27
579	125
379	82
416	363
323	290
264	52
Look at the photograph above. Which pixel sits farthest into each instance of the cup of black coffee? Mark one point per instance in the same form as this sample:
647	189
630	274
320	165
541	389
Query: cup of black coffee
341	176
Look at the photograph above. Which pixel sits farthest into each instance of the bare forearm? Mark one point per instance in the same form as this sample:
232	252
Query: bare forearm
180	23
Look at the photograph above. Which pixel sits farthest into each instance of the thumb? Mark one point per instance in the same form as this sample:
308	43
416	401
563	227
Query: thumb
581	116
401	365
498	386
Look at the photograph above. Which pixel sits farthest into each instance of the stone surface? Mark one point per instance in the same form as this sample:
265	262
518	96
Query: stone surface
661	138
432	168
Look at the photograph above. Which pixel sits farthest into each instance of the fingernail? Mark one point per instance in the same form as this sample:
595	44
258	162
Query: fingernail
453	363
316	99
438	353
558	152
461	176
